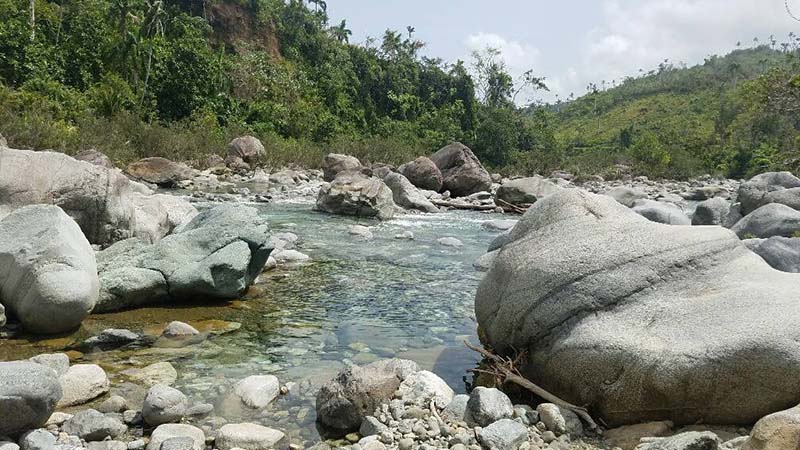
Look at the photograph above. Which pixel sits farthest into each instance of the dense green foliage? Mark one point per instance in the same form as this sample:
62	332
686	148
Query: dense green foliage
180	78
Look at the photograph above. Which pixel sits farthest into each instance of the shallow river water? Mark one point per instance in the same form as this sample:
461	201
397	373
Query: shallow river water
355	302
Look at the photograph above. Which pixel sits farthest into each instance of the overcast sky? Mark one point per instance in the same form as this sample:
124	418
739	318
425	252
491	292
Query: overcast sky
573	42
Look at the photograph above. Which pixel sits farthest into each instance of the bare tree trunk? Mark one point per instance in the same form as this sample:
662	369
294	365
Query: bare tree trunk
32	20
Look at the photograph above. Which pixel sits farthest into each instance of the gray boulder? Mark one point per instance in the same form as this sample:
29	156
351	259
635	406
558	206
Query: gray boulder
38	439
423	173
247	436
334	163
559	420
29	393
95	157
48	274
488	405
524	191
92	425
82	383
764	188
667	213
456	410
406	195
159	171
714	211
642	321
97	198
356	194
691	440
257	391
59	362
462	172
779	252
505	434
772	219
164	404
158	215
172	430
357	391
626	195
246	148
217	255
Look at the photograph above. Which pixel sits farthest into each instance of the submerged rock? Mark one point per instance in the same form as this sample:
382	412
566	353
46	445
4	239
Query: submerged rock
217	255
355	194
640	320
48	273
462	172
29	393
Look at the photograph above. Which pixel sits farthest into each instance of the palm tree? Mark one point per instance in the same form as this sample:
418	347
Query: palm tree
340	32
152	27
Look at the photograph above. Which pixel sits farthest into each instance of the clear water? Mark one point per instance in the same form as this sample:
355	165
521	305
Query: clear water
355	302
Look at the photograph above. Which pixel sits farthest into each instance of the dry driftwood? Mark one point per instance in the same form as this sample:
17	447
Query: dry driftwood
512	207
503	369
463	205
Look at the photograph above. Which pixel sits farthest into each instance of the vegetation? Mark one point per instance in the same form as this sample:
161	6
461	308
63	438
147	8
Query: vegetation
178	78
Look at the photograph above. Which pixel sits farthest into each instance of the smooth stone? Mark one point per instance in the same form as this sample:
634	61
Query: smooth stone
172	430
777	431
248	436
456	410
179	329
92	425
39	439
421	387
59	362
504	434
488	405
29	393
164	404
257	391
692	440
83	383
559	420
450	242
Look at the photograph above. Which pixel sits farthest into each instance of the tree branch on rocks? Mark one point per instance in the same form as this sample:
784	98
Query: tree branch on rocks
504	370
512	207
463	205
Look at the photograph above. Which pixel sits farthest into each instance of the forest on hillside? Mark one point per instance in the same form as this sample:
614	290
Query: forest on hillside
180	78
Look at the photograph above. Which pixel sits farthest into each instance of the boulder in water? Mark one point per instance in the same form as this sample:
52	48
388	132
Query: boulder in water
353	193
462	172
423	173
406	195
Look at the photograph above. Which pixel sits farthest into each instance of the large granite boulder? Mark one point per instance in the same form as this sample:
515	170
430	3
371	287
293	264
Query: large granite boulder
714	211
159	171
334	163
95	157
246	148
158	215
626	195
353	193
524	191
767	188
423	173
407	195
344	402
217	255
772	219
462	172
48	274
661	212
777	431
782	253
97	198
28	396
643	321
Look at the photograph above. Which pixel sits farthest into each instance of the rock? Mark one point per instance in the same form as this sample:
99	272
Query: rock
501	240
692	440
423	173
371	426
217	255
113	404
406	195
357	391
172	430
159	171
158	215
524	191
82	383
734	444
257	391
772	219
59	362
754	193
456	410
488	405
97	198
705	193
201	410
499	225
559	420
334	163
157	373
405	236
781	253
179	329
777	431
626	195
48	278
661	212
109	339
421	387
661	309
164	404
355	194
57	419
107	445
462	172
505	434
247	148
178	443
450	242
95	157
290	257
485	261
714	211
3	318
627	437
92	425
361	231
39	439
7	445
247	436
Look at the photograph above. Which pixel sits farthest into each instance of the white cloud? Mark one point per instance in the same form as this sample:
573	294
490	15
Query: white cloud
516	55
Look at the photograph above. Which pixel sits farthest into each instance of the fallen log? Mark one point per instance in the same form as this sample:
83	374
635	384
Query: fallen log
514	208
464	206
504	371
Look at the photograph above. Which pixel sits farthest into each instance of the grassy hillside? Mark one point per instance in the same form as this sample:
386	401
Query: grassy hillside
722	116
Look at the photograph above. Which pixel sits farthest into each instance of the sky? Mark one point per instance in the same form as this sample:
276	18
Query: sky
574	42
